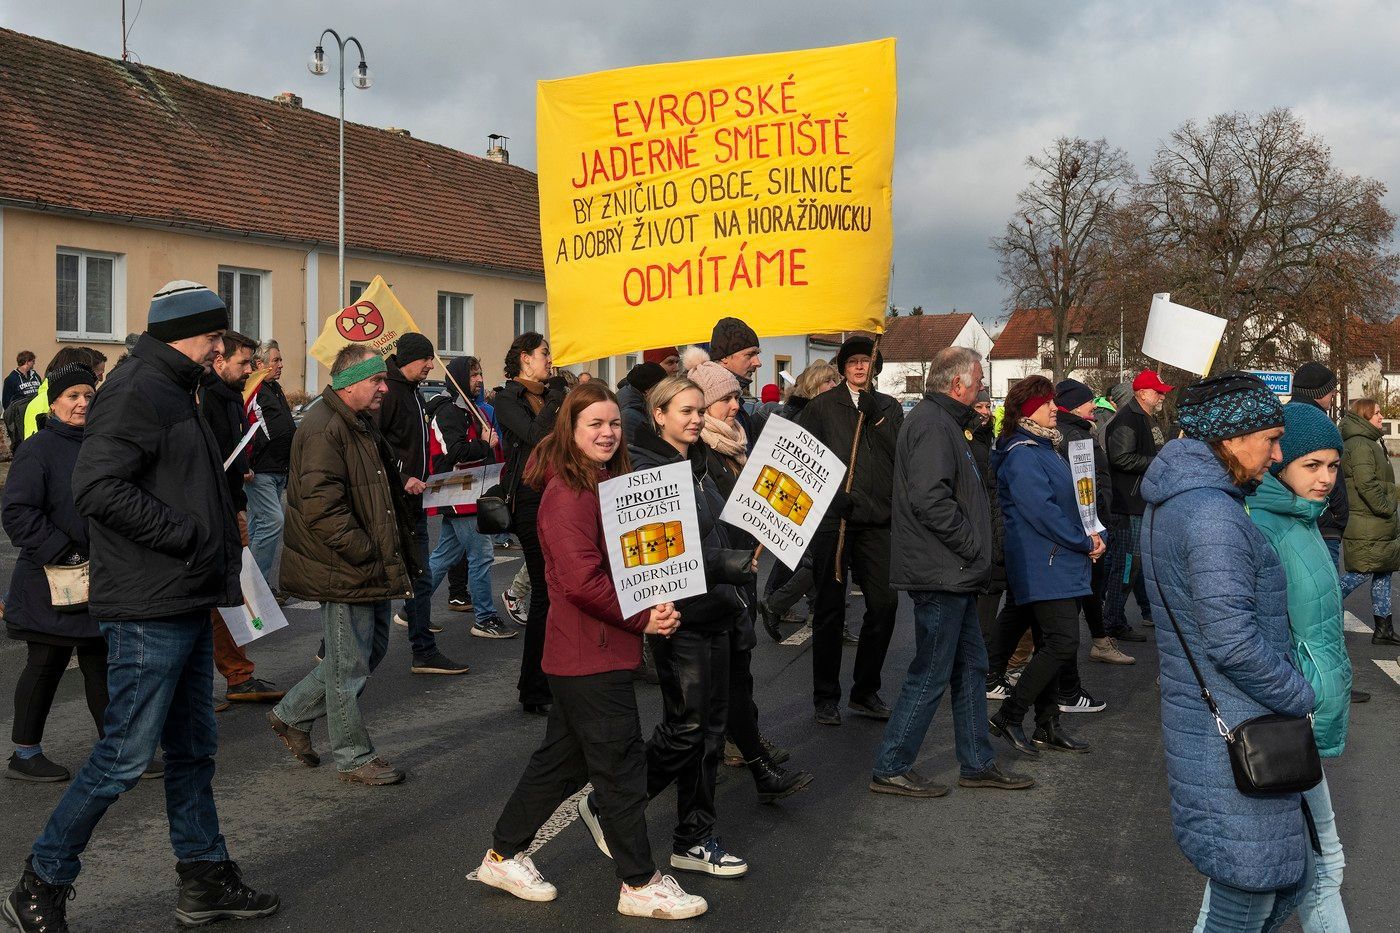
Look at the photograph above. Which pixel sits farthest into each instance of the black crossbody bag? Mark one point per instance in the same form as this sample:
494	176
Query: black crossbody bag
494	505
1270	755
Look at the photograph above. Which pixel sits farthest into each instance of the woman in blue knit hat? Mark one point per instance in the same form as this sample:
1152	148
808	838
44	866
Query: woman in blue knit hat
1286	507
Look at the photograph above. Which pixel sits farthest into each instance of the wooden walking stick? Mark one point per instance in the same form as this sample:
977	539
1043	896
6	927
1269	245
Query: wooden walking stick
471	406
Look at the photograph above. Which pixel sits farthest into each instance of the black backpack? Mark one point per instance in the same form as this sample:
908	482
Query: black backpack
14	421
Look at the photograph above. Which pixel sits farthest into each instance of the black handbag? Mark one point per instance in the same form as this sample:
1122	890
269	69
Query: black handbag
1270	755
494	505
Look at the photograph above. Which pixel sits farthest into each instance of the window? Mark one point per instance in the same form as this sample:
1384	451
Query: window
605	369
631	361
89	295
781	364
454	323
526	317
242	290
356	290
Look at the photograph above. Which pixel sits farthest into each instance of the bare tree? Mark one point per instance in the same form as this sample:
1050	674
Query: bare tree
1253	223
1053	250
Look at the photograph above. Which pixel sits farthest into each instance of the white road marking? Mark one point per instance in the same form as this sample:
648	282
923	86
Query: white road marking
505	558
1352	623
1391	668
798	637
302	604
563	818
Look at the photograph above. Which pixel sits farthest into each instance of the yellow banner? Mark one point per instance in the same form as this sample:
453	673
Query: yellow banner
377	320
255	379
756	187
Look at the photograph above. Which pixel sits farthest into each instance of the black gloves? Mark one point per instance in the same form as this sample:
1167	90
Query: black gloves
865	403
736	567
842	505
555	387
72	558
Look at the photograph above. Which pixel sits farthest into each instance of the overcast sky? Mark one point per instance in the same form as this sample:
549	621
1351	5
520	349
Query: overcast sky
982	84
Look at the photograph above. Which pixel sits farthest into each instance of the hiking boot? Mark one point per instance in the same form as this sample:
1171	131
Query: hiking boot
437	663
995	777
1082	703
710	858
661	898
459	605
401	622
39	770
298	741
211	891
516	608
254	690
775	783
775	753
376	773
871	706
491	627
1385	632
516	875
35	906
1107	651
827	713
908	784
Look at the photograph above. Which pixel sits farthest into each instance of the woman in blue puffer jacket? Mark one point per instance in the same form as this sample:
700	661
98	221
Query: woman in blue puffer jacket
1048	557
1286	508
1227	591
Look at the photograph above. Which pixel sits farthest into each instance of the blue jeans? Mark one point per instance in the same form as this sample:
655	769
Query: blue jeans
459	536
160	678
356	638
948	654
1321	909
265	518
1228	909
419	609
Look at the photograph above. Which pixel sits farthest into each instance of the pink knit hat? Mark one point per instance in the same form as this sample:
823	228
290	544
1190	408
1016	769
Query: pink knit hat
714	381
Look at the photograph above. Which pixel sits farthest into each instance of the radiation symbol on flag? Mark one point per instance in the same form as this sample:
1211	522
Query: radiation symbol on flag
360	322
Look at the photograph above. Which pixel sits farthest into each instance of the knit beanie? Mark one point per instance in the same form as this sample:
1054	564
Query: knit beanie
411	348
184	309
659	355
644	376
1071	393
1232	404
1313	380
715	381
1306	428
730	336
65	377
858	346
770	393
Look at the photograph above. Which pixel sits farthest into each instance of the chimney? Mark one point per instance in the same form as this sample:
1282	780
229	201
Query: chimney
496	149
397	131
287	99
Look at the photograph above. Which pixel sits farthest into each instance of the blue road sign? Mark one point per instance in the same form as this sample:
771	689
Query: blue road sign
1278	383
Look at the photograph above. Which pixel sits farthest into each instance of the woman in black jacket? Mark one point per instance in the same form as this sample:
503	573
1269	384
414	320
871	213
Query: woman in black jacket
526	408
39	516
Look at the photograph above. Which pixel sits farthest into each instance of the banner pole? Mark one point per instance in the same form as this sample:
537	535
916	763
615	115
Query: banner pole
471	406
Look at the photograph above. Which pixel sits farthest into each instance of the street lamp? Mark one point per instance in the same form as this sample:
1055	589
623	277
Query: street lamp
317	66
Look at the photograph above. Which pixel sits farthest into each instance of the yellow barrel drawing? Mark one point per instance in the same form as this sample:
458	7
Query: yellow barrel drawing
767	479
800	508
1086	491
675	539
784	495
631	550
652	539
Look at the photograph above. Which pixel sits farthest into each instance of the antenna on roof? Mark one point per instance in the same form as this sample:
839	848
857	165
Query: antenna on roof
126	30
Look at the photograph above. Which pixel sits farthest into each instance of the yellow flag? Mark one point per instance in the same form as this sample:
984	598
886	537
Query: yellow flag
255	379
757	187
377	321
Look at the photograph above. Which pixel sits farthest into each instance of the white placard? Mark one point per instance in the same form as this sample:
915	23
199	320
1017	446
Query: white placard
1180	336
785	489
259	613
1081	464
459	487
653	536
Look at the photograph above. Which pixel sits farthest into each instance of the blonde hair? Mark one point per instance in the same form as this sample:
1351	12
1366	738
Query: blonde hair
664	393
810	383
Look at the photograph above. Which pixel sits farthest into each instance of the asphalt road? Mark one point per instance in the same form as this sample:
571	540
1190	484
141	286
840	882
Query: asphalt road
1089	848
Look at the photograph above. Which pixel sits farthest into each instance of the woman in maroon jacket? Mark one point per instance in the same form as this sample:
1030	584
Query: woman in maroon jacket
590	651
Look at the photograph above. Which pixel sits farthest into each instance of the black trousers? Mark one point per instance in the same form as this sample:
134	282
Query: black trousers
533	686
38	684
1008	628
743	713
1058	620
1093	606
457	587
988	604
593	734
866	557
685	748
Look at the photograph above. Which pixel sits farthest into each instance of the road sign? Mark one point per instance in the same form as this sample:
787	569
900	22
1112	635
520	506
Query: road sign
1278	383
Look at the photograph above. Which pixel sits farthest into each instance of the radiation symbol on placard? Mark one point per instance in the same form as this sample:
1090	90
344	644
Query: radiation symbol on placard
360	322
1086	490
784	494
652	544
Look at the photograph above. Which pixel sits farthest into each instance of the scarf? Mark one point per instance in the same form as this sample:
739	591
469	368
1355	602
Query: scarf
1049	434
725	439
534	394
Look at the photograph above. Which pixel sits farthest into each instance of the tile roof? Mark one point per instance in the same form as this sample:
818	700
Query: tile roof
93	134
1019	338
914	338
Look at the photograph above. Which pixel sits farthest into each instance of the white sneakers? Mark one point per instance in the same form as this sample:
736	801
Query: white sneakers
660	899
517	875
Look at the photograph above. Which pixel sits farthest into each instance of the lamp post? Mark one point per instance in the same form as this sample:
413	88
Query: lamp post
362	79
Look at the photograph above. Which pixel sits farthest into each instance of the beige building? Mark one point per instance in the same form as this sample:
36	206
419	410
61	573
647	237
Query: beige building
116	178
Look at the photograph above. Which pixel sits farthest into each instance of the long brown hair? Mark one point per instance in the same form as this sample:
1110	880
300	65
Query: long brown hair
558	456
1366	407
1021	393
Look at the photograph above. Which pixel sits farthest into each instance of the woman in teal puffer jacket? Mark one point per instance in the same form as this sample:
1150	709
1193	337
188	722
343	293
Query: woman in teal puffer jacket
1286	508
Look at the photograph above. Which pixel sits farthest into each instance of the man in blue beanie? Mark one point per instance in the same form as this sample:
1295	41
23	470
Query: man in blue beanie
165	550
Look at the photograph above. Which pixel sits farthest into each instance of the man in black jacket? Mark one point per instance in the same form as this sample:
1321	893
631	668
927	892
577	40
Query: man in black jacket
864	504
403	420
272	455
1133	440
942	553
164	551
734	345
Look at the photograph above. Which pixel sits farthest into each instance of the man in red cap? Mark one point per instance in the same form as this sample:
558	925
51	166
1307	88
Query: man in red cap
668	358
1133	439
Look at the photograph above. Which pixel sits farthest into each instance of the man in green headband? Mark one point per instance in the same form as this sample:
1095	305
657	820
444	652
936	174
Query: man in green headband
348	546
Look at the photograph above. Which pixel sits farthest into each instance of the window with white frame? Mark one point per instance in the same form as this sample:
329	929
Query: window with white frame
526	317
605	369
356	290
89	295
630	361
454	323
244	292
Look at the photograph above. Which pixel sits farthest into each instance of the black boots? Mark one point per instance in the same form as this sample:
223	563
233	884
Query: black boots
36	906
1384	633
1051	735
212	891
775	782
1013	733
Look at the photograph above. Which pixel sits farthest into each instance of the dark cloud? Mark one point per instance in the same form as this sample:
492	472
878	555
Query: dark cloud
981	85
